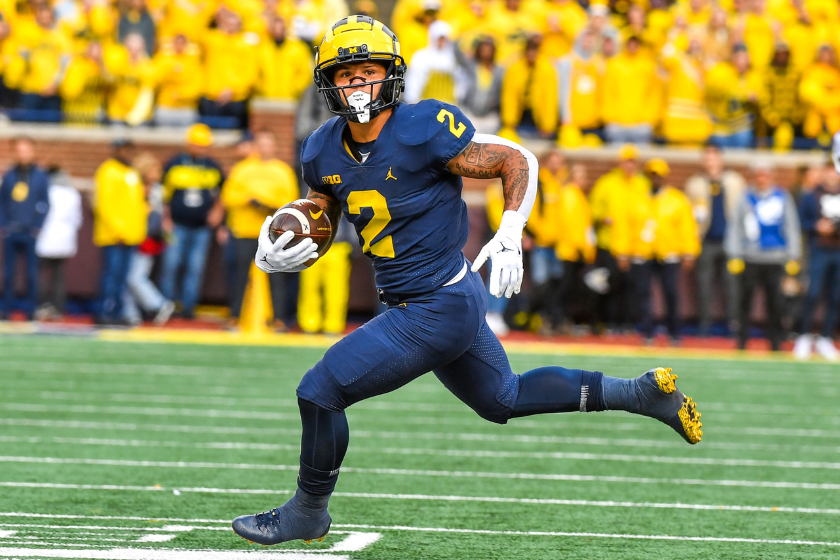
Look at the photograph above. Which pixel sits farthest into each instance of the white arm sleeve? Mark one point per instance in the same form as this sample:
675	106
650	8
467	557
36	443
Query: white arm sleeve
533	169
835	152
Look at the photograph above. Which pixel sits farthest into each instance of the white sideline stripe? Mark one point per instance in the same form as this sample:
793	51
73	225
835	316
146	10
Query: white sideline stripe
7	534
356	542
444	452
436	529
81	539
185	428
162	554
640	443
422	497
589	535
165	528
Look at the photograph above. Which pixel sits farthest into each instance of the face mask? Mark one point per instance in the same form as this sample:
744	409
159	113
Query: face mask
360	102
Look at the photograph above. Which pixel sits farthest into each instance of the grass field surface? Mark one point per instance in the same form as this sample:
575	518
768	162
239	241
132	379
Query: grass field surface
123	451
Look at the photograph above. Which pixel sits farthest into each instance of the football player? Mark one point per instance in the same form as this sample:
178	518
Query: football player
395	171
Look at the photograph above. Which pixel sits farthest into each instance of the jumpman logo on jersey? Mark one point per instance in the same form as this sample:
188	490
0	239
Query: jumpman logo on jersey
390	175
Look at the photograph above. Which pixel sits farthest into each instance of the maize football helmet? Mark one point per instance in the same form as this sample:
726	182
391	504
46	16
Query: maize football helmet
359	39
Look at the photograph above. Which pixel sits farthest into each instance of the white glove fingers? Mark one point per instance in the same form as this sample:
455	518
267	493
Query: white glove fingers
301	259
494	281
520	276
282	241
480	259
305	246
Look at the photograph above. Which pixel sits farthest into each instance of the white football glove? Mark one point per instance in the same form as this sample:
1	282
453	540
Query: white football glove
505	254
274	257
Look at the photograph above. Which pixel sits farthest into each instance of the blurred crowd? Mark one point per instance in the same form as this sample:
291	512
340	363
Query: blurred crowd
597	248
161	216
736	73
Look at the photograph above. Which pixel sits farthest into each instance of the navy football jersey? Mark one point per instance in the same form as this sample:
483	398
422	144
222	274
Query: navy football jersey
404	203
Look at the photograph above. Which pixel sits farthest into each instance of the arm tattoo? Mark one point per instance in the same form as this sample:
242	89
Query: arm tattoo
492	161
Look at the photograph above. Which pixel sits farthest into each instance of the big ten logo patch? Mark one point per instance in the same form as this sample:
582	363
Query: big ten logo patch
331	179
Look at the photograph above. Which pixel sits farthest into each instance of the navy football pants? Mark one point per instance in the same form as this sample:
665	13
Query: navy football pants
443	332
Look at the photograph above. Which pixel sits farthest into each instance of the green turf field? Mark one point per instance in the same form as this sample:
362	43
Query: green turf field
134	451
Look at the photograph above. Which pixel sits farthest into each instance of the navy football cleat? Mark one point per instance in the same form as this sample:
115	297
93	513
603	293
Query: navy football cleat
303	517
661	399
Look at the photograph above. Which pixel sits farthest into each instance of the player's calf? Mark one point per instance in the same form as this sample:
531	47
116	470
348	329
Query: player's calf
304	517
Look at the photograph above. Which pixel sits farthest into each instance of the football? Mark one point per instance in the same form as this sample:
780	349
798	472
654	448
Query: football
306	219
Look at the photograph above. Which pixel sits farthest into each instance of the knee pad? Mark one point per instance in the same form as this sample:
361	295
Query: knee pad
498	414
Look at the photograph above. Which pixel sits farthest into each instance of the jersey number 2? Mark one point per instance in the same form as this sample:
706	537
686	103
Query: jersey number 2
457	131
374	200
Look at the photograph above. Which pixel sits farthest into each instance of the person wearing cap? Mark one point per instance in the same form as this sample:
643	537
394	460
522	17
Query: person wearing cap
714	193
435	72
609	199
191	183
630	107
819	211
529	94
820	93
734	91
763	244
781	112
659	235
120	216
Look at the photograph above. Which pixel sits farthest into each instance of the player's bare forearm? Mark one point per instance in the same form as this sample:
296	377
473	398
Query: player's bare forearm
331	206
493	161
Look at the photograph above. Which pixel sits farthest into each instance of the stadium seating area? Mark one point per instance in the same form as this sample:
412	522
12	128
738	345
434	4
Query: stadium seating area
736	72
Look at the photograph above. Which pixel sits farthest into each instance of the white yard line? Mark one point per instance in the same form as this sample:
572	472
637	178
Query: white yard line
590	535
749	463
636	443
420	497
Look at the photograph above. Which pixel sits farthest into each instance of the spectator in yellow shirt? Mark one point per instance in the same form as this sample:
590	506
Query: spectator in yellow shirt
685	120
120	217
85	86
529	94
734	91
44	53
609	200
231	69
581	75
781	111
187	17
543	226
513	23
179	83
668	244
286	63
132	71
630	84
575	245
256	187
564	19
820	92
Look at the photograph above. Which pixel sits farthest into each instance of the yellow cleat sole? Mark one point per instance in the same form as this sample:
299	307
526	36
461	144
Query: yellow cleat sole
665	380
319	540
690	419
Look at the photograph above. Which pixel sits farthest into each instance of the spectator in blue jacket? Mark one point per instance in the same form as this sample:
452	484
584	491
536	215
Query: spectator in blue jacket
191	184
819	212
24	203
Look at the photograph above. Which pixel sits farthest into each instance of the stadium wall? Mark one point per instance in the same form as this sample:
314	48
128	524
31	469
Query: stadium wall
79	151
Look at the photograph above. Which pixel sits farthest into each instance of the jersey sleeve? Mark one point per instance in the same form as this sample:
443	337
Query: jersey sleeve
308	153
449	132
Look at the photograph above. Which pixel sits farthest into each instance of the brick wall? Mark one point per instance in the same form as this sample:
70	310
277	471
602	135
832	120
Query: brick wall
80	151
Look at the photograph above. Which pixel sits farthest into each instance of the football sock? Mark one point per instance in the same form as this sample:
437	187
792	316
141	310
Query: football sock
557	389
322	448
640	395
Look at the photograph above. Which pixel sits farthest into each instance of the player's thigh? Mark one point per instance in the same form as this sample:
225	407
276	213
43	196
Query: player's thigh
391	350
482	378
